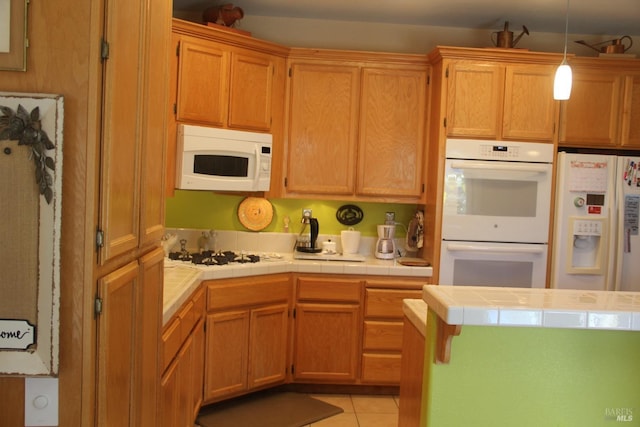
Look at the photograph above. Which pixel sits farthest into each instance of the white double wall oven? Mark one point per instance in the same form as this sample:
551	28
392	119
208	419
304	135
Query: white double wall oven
496	213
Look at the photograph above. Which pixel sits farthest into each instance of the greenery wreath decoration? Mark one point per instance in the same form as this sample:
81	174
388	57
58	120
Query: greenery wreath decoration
26	128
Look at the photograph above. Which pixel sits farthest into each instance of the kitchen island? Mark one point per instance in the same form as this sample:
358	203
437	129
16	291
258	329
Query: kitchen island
530	357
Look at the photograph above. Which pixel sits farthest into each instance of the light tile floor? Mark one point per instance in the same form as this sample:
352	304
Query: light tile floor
360	410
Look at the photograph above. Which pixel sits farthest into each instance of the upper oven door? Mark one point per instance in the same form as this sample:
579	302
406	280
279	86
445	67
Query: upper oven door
496	201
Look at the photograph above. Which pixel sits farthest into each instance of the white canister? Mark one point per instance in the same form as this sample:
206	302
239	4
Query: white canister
350	240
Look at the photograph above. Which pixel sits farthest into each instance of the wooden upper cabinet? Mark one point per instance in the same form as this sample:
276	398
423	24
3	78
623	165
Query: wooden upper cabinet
591	116
530	111
501	101
203	79
356	127
154	134
223	86
604	108
121	127
323	111
631	113
250	86
134	130
474	99
392	132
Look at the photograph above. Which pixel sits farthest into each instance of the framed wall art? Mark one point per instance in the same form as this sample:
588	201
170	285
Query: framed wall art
31	193
13	35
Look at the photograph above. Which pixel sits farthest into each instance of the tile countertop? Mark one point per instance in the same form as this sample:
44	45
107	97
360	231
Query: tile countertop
272	264
543	308
179	284
182	278
416	312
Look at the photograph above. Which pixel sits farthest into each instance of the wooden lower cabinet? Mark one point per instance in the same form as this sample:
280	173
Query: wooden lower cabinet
128	314
227	353
180	390
268	339
327	342
382	334
183	362
411	376
247	335
328	327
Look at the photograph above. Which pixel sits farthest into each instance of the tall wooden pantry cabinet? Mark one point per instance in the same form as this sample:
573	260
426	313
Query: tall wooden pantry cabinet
107	58
130	211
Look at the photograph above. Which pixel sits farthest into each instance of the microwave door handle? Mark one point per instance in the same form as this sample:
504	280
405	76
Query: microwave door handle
498	167
480	248
256	176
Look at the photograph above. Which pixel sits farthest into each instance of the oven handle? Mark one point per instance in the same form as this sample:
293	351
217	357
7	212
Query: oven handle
480	248
520	167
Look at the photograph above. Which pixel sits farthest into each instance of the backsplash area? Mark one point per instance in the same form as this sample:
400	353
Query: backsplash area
208	210
258	242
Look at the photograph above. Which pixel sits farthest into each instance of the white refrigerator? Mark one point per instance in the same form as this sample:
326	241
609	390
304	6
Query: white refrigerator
596	245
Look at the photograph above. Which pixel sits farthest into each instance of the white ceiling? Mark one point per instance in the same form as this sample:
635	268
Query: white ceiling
597	17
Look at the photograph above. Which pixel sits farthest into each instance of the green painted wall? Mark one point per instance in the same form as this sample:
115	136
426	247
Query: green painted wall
534	377
205	209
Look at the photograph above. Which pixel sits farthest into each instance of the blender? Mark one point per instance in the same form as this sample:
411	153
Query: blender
386	246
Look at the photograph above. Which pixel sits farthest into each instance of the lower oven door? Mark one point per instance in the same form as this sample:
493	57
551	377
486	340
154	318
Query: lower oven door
512	265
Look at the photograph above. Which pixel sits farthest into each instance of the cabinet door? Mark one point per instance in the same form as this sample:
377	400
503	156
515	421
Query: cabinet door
411	376
148	339
115	341
631	113
268	345
474	99
203	76
591	116
323	111
121	128
327	340
154	124
169	412
227	353
250	89
197	369
529	109
185	386
392	132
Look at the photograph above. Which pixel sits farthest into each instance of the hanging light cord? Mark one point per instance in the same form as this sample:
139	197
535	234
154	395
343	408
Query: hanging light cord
566	32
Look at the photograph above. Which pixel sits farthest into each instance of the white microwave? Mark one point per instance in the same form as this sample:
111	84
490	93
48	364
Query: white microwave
222	159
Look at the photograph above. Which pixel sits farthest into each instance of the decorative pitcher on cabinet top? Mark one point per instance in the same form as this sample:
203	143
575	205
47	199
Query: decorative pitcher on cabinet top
504	38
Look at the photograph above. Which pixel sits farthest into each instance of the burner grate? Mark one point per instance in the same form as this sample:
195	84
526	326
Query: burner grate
214	258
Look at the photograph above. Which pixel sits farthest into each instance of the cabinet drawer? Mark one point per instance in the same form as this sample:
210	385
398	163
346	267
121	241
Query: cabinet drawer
223	294
190	313
381	368
327	289
171	342
382	335
387	302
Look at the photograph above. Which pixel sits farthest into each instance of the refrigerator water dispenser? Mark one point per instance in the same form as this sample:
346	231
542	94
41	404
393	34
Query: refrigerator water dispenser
587	254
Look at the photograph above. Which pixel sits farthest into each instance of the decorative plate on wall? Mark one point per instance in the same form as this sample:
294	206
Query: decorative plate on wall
349	215
255	213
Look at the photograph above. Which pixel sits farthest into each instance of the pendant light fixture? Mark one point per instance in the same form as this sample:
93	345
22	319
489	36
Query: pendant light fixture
563	80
